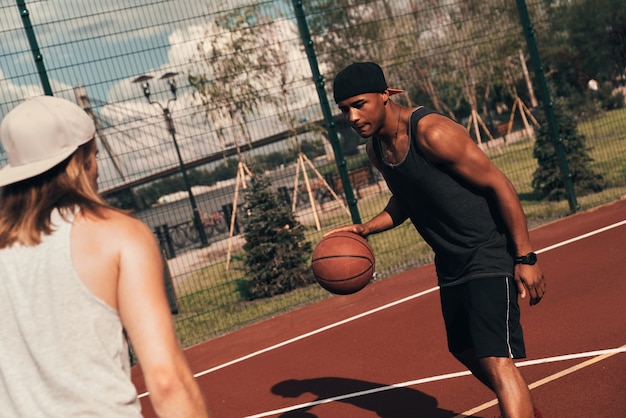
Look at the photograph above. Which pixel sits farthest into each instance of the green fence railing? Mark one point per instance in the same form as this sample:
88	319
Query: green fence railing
252	82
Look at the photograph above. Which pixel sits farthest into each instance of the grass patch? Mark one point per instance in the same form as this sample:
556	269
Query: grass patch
221	309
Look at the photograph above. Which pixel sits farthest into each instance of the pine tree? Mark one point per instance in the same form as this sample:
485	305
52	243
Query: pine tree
276	252
547	180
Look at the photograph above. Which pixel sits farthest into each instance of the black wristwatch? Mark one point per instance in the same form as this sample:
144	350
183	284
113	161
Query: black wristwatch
530	258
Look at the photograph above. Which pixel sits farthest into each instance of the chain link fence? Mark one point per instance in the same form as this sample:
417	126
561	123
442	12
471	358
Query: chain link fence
187	96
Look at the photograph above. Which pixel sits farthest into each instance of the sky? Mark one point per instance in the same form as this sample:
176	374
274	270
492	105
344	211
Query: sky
105	45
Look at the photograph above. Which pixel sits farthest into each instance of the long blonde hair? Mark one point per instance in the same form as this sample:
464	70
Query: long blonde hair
26	206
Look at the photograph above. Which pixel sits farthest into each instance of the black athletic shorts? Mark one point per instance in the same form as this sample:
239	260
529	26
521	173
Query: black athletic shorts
483	314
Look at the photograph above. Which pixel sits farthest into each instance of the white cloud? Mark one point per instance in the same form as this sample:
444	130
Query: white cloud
136	130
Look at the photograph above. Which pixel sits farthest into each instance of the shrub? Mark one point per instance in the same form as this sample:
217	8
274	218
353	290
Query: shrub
547	179
276	252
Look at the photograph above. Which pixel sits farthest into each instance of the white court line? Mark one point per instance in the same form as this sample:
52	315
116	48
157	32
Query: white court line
598	355
581	237
361	393
309	334
602	355
317	331
372	311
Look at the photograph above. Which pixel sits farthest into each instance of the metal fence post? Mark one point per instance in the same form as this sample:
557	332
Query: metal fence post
330	123
172	300
228	213
165	241
34	46
548	105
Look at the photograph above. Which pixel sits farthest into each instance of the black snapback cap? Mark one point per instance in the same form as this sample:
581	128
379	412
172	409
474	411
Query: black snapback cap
358	78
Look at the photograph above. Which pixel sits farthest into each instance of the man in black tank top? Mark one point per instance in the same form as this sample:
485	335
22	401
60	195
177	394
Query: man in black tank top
467	211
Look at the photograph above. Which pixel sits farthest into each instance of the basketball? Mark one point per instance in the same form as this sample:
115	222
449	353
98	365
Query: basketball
343	263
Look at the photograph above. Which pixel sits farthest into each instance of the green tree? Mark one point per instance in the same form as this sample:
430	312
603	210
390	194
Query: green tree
312	148
126	199
232	66
547	180
276	251
581	40
597	35
224	171
341	29
272	160
441	53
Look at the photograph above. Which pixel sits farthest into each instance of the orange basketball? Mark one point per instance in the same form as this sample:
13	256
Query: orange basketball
343	263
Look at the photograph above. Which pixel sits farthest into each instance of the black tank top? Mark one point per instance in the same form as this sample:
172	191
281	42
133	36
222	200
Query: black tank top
460	223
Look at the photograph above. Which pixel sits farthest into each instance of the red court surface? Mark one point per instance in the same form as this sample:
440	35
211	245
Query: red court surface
382	351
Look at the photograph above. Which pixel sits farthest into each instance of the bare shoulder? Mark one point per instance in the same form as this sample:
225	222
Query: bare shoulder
442	139
105	246
127	222
115	221
117	228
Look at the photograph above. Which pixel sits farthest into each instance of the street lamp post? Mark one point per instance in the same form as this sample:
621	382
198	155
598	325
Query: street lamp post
167	115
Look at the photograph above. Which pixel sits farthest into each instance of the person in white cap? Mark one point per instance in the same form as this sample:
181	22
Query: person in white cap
76	277
467	211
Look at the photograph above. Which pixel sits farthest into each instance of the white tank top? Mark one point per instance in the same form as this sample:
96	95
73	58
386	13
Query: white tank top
62	350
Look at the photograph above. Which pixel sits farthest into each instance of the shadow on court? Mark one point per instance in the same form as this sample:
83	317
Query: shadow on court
391	403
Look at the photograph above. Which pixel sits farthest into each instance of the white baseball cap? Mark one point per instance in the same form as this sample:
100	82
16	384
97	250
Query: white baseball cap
39	134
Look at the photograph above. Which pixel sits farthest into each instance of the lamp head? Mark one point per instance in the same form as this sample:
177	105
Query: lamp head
146	90
169	76
172	84
143	79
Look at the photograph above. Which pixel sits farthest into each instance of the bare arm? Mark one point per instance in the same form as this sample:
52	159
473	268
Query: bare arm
146	317
447	142
379	223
